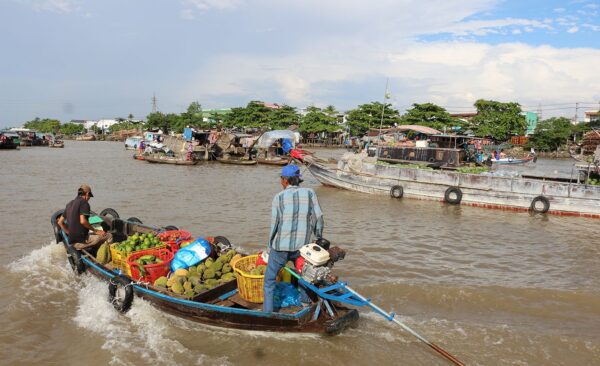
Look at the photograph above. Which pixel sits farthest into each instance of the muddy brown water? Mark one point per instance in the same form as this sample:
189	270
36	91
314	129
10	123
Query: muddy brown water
492	287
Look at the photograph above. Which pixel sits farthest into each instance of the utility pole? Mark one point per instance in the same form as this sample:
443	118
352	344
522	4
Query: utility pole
154	106
576	113
539	112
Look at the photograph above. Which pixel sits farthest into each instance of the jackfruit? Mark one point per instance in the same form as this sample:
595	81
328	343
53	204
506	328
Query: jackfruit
226	268
103	254
195	280
181	272
177	288
209	273
235	258
187	286
190	293
208	262
210	283
229	255
228	276
191	270
171	281
217	265
201	267
161	282
217	274
200	288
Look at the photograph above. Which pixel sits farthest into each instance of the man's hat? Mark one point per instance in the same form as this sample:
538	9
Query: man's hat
86	189
290	171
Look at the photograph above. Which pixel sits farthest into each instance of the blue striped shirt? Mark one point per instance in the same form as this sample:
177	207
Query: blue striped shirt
295	216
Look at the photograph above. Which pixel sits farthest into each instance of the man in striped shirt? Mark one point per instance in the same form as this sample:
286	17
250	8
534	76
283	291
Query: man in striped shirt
295	218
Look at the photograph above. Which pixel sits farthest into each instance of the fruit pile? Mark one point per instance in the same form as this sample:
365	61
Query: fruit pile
138	242
144	260
103	254
197	279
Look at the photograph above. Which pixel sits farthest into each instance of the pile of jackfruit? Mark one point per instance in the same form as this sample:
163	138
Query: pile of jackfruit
197	279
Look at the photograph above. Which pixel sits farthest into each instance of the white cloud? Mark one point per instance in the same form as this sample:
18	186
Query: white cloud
593	27
56	6
191	7
560	10
516	31
573	30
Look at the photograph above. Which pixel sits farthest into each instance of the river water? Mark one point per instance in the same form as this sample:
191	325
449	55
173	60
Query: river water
492	287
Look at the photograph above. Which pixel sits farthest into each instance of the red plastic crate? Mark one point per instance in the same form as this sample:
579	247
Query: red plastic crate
173	235
153	271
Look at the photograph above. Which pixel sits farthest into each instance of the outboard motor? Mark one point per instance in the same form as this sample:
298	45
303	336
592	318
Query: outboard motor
316	261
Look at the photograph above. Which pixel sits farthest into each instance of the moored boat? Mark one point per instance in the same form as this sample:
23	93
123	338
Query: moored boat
221	306
139	156
168	160
236	161
360	173
56	144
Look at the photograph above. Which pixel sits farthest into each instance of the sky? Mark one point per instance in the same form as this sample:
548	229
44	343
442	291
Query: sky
85	59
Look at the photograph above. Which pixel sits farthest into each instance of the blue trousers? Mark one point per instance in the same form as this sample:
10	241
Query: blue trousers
277	259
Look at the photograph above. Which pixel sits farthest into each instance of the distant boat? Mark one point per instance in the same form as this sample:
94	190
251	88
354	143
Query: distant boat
509	160
169	160
86	138
56	144
236	161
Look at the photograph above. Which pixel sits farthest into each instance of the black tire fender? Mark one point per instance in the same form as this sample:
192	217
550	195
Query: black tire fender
74	258
134	220
114	284
109	212
54	221
171	227
453	191
397	192
545	202
222	243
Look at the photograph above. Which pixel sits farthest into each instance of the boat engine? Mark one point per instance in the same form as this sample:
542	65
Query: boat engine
316	262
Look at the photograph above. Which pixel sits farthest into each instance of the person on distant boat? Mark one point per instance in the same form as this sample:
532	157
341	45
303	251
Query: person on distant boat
295	218
74	221
502	154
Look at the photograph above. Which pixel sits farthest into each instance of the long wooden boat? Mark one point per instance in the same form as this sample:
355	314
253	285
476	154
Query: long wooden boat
220	306
365	175
513	161
58	144
139	156
168	160
236	161
273	161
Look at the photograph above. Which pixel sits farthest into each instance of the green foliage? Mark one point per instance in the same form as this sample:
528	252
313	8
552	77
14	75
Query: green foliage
430	115
256	115
43	125
177	122
498	120
71	128
317	120
369	116
124	125
551	133
472	169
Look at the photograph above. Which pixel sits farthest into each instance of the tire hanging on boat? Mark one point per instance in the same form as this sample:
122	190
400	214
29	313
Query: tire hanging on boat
134	220
397	192
545	204
54	221
109	212
453	195
171	227
74	258
114	284
222	243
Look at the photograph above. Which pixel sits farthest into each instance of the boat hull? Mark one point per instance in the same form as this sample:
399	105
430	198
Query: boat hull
279	162
154	160
477	190
237	161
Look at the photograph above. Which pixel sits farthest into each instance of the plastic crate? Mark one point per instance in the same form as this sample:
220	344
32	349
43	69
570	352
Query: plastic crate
119	258
153	271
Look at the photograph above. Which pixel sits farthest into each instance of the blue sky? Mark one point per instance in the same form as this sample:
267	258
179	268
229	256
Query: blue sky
83	59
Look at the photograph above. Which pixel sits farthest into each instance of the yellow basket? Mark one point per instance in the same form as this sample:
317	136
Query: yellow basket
250	286
119	258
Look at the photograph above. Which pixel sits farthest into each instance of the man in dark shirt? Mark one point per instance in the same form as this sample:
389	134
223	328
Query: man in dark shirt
74	221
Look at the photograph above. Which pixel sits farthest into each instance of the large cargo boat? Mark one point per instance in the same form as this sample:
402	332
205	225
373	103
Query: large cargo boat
358	172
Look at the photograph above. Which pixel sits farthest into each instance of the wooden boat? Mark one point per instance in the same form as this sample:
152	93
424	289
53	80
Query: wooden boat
220	306
359	173
273	161
86	138
139	157
169	160
513	161
56	144
236	161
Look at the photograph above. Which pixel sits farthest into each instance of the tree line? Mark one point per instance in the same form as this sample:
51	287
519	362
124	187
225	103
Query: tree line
495	120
